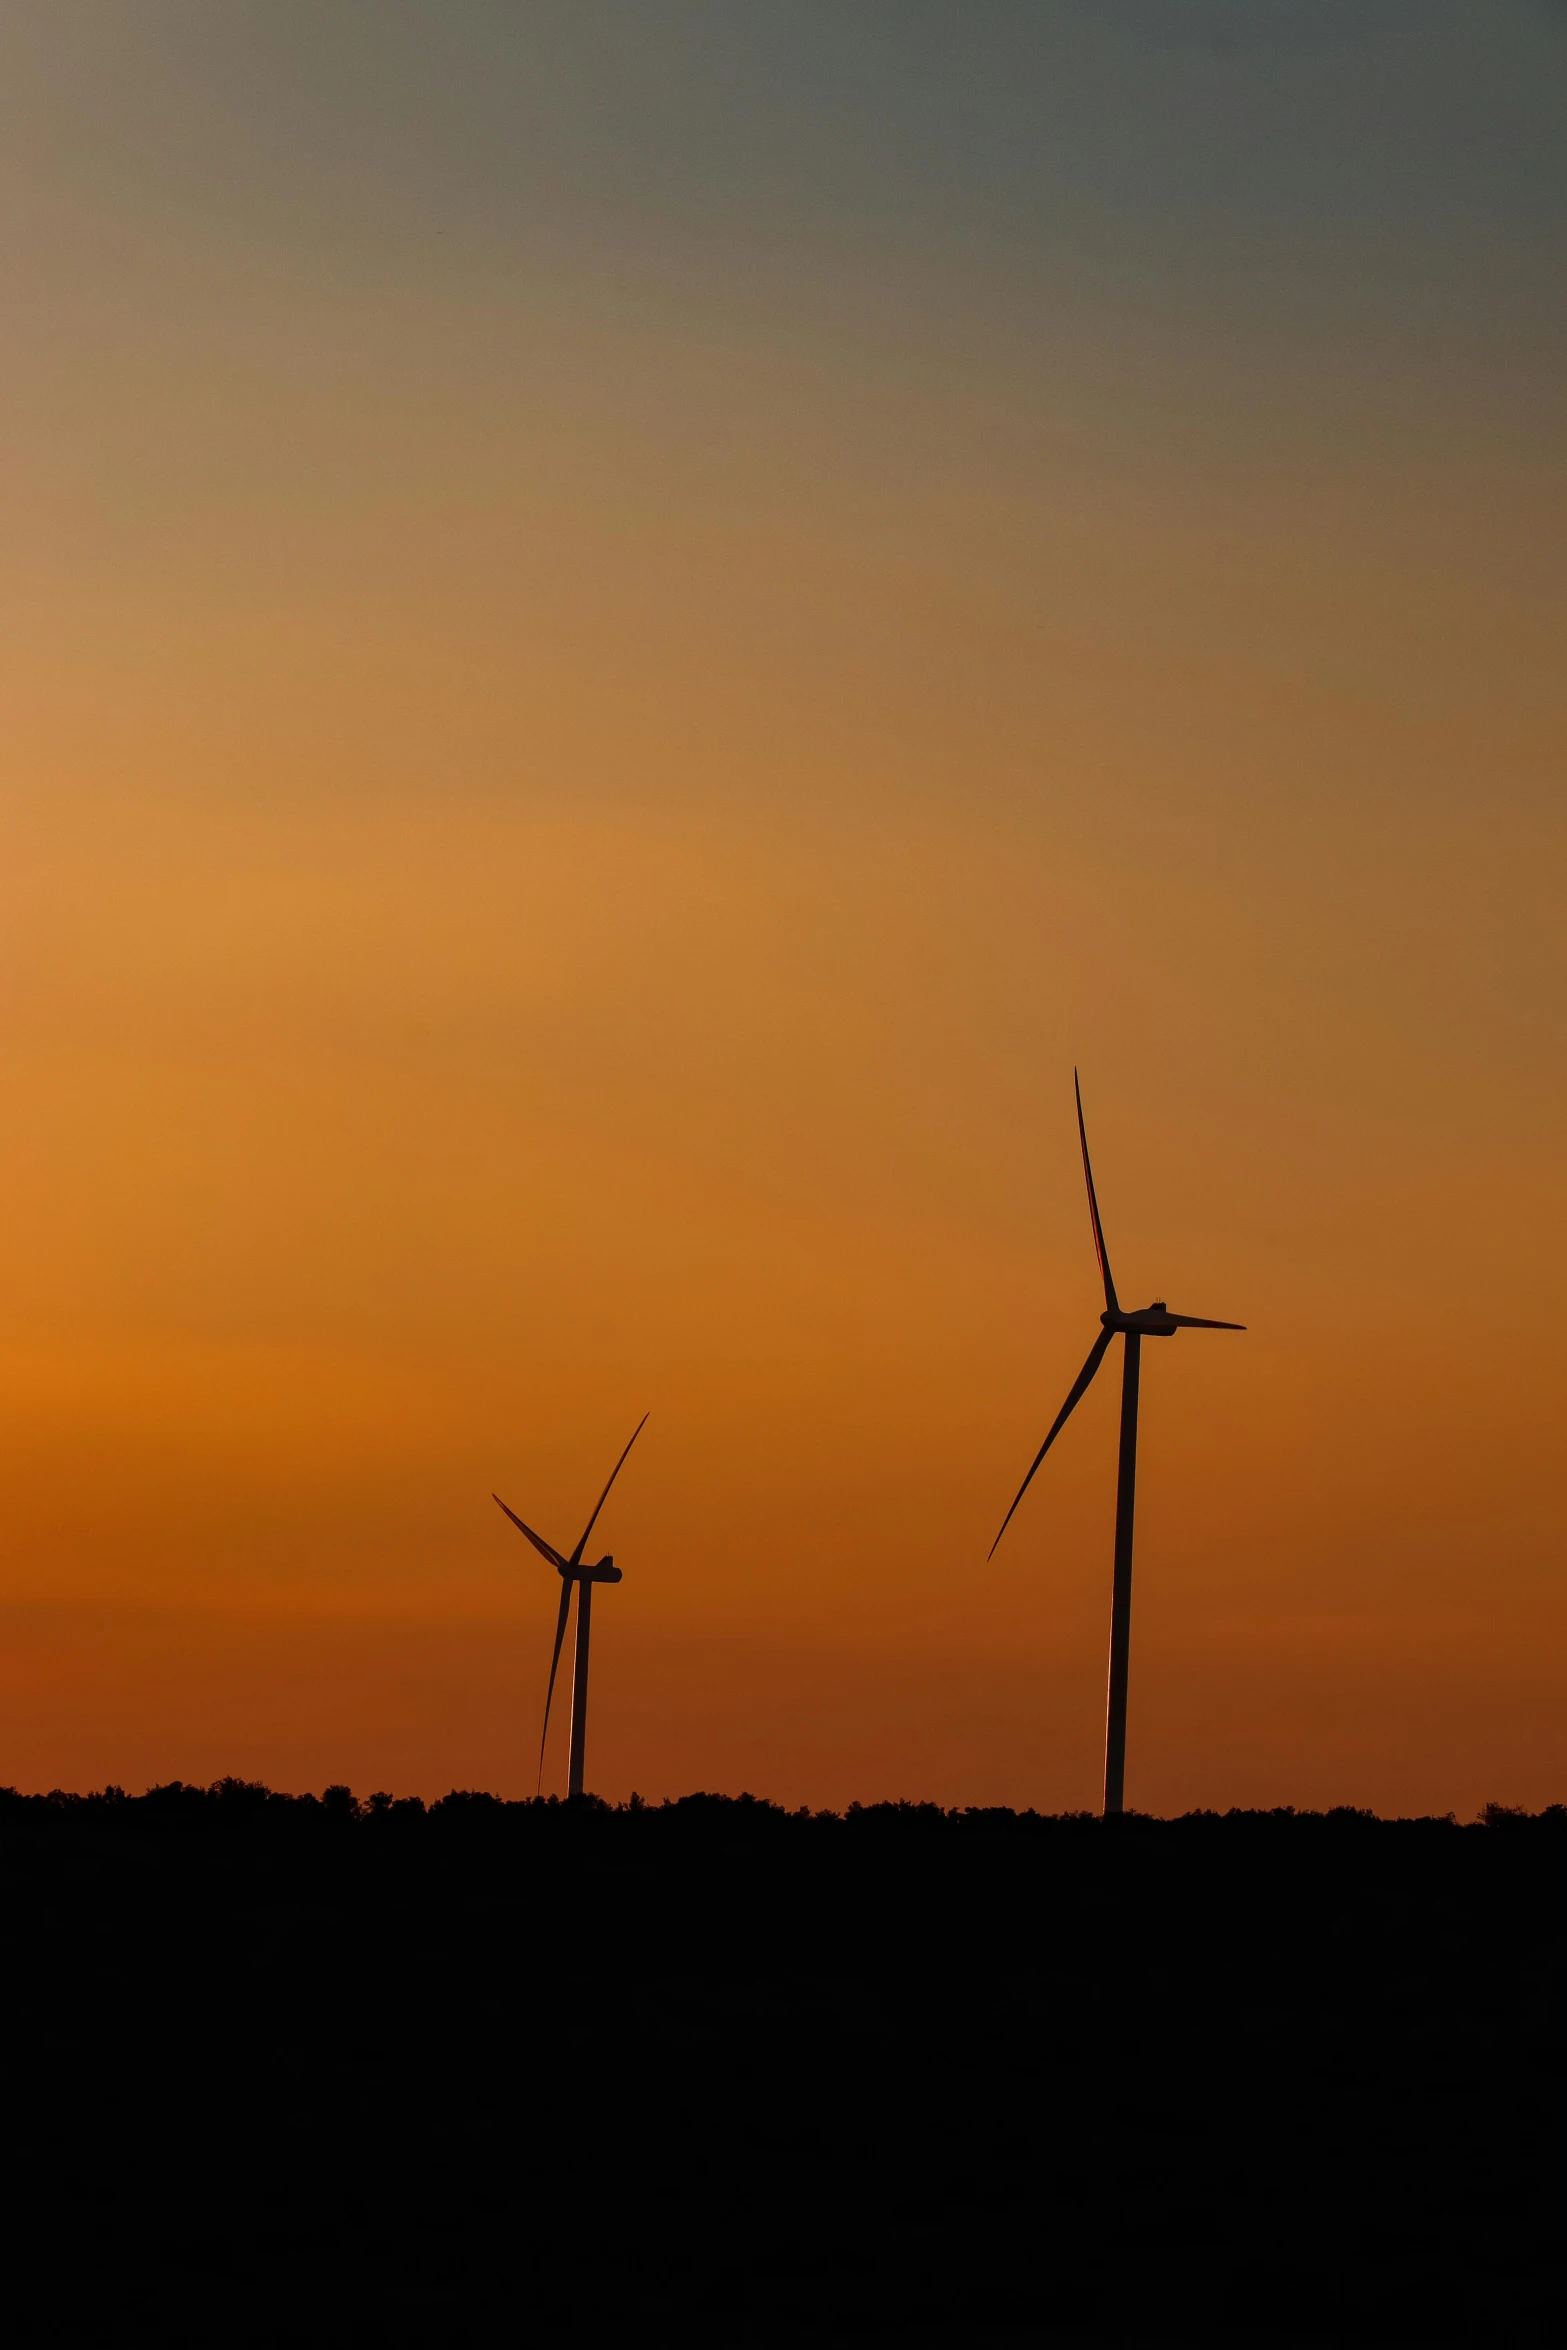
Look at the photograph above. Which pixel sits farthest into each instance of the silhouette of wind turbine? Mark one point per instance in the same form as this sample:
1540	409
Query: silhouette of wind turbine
573	1571
1155	1321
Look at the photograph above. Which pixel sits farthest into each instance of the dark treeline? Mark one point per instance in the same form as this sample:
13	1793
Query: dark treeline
310	2067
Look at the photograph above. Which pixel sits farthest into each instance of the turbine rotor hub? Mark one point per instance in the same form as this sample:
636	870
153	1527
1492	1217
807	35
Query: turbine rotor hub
1155	1321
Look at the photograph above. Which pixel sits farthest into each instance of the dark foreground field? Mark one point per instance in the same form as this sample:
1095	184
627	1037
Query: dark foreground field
279	2070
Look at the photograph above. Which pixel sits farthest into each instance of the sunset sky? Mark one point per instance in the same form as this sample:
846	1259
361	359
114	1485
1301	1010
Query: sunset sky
624	629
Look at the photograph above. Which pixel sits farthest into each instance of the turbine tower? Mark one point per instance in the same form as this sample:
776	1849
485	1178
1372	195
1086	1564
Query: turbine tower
572	1571
1155	1321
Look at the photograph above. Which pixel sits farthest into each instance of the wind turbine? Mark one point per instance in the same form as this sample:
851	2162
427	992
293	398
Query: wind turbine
1155	1321
573	1571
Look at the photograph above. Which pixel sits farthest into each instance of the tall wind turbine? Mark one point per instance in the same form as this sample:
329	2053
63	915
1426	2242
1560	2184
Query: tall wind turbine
1155	1321
572	1571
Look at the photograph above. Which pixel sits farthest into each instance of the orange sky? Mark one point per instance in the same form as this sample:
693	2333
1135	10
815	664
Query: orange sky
586	742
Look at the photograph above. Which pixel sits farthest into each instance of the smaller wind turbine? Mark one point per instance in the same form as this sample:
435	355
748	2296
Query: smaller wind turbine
571	1570
1155	1321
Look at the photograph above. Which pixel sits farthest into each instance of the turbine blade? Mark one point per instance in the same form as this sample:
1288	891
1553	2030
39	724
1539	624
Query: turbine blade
545	1549
576	1556
1111	1300
549	1695
1196	1322
1079	1390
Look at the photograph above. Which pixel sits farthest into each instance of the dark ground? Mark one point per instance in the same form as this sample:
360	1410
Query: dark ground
282	2070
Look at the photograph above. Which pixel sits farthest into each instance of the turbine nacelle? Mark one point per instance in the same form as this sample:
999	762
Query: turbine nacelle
1157	1321
606	1571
